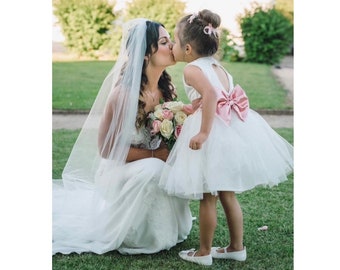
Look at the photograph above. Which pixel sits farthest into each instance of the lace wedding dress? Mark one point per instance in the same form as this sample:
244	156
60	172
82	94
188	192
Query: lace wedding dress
136	217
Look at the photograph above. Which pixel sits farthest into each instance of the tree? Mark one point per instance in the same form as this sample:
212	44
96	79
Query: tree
267	34
286	7
85	24
227	49
167	12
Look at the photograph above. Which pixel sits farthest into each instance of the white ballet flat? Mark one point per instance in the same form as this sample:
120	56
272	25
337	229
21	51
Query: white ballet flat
235	255
202	260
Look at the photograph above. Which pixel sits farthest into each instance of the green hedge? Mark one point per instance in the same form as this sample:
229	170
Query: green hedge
85	24
267	35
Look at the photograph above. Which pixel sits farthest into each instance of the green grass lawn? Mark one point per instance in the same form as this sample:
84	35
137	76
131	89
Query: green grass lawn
271	249
76	84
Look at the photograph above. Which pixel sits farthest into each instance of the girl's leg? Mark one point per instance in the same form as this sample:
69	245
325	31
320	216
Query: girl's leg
233	213
208	221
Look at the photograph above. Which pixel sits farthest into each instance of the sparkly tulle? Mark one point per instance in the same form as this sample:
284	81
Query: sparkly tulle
236	157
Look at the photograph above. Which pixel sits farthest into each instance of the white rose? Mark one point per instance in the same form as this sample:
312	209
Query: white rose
166	128
180	117
174	106
158	113
158	107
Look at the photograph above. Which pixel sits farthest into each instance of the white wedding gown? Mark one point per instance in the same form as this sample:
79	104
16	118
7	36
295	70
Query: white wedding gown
137	216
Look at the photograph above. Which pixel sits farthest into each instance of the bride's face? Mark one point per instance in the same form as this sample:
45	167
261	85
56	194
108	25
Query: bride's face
163	57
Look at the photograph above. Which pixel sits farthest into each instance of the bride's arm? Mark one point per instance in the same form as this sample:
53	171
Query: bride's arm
105	147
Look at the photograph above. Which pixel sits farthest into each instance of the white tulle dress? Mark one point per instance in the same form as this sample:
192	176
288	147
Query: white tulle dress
237	156
138	217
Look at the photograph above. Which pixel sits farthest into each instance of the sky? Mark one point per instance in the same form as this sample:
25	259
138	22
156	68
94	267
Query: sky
227	9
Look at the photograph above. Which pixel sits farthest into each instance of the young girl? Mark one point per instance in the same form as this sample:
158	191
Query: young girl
224	147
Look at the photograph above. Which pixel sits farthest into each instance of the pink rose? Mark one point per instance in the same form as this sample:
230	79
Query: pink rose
156	125
167	114
178	130
188	109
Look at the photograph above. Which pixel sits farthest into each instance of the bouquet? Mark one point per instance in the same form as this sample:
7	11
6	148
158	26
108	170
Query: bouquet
167	119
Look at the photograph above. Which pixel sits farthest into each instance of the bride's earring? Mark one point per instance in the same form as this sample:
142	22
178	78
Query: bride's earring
146	58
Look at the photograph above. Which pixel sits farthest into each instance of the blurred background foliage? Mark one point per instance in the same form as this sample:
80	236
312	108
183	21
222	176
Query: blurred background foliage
92	28
267	34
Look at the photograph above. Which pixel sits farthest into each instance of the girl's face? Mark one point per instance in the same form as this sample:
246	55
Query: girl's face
178	52
163	56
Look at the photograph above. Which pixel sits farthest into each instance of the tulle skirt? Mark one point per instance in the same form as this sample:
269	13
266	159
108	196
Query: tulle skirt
138	217
235	157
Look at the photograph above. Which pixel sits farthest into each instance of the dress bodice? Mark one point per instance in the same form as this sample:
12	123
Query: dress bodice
141	138
206	65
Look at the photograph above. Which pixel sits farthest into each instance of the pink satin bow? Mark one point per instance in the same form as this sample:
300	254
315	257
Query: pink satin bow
237	100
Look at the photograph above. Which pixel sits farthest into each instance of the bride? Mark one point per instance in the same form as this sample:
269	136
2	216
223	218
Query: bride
108	197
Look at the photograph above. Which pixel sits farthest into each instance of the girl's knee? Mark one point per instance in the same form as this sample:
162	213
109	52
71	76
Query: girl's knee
226	196
209	198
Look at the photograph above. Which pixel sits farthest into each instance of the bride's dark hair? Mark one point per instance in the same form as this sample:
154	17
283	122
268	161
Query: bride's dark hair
165	85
